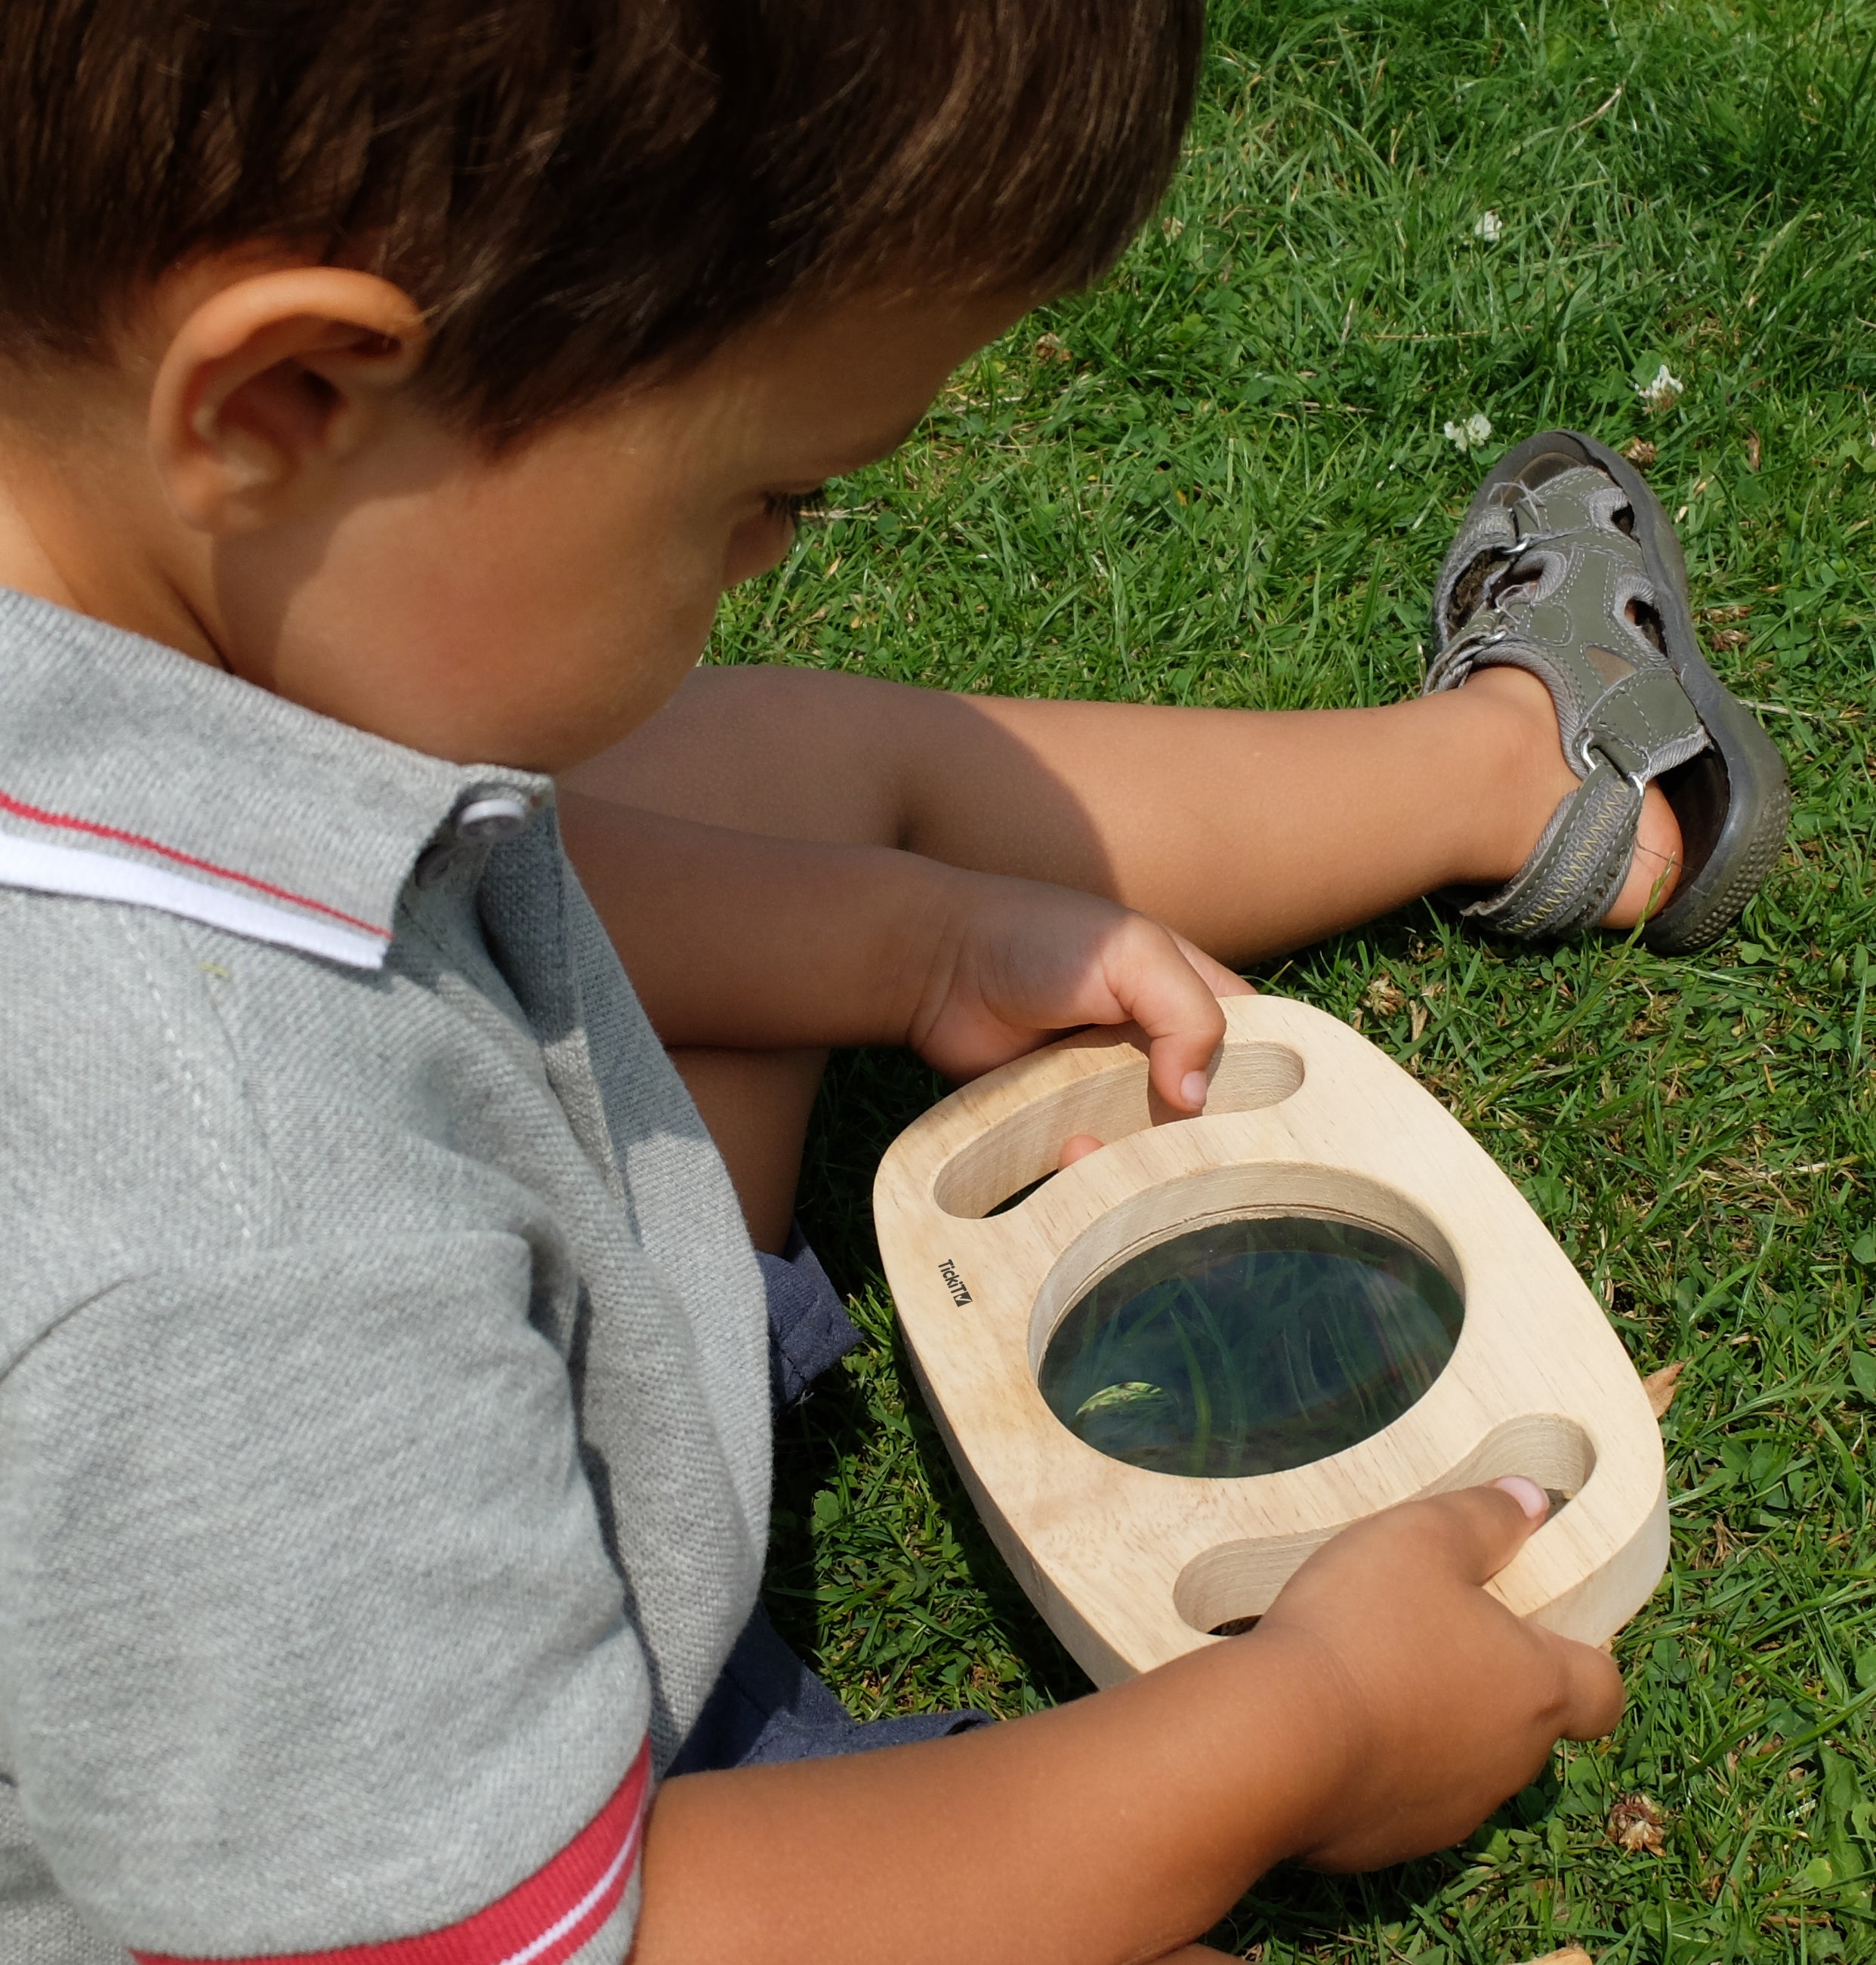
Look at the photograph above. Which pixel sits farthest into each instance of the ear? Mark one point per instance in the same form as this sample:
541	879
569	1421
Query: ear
271	385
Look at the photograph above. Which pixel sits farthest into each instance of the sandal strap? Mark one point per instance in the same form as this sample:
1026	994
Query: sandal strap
1555	580
1577	868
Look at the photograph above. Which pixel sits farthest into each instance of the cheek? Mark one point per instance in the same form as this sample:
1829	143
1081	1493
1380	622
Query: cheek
611	602
494	633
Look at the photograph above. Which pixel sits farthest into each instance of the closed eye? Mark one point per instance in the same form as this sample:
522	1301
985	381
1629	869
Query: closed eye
799	508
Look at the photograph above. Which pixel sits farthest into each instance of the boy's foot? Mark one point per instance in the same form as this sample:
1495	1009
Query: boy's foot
1672	801
1546	780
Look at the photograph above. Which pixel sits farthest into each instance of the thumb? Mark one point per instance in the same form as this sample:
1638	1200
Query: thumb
1159	989
1591	1687
1485	1527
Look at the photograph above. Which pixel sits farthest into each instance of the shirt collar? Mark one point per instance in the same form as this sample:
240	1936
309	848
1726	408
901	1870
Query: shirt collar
130	773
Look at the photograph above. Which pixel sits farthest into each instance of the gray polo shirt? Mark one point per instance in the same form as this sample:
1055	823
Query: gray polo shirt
383	1433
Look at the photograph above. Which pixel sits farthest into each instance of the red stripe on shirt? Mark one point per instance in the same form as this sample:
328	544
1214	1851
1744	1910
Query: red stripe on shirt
40	816
542	1921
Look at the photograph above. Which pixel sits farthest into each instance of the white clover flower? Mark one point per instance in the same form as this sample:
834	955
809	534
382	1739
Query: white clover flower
1490	228
1662	392
1470	434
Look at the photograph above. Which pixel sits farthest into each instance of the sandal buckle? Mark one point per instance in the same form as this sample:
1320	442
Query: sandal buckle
1622	758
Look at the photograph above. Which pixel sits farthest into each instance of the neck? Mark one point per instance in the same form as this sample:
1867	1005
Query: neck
24	561
74	530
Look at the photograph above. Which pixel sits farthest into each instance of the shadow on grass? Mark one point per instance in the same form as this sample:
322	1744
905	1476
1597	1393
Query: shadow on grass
811	1442
864	1424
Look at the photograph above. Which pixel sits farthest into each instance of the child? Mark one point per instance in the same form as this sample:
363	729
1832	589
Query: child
387	390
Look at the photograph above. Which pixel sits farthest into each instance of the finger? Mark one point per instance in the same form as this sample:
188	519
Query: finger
1161	990
1594	1694
1485	1527
1221	981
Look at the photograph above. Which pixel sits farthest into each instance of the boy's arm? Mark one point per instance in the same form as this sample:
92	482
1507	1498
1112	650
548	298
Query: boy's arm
1384	1705
740	939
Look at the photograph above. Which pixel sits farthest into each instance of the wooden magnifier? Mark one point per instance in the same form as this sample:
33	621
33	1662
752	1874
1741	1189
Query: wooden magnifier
1169	1371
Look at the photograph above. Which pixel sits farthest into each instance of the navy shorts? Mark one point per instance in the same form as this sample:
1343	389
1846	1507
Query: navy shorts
768	1705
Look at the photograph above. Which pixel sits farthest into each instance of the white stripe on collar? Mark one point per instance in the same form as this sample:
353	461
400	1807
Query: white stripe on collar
104	876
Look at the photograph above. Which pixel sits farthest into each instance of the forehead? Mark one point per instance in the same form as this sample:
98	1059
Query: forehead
848	377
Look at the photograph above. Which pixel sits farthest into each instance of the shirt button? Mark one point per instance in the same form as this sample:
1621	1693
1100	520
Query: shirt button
484	817
434	862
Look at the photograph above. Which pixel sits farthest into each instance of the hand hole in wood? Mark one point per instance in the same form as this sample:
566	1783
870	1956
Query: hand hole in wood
1225	1589
1000	1168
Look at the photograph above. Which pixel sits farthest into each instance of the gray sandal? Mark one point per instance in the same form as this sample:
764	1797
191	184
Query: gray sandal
1565	565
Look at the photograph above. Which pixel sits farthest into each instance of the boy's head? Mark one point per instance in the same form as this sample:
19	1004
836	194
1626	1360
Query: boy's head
470	336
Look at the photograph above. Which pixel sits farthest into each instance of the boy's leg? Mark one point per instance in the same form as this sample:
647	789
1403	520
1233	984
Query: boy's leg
757	1104
1248	831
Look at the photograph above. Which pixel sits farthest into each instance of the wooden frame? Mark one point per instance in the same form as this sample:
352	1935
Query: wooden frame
1131	1567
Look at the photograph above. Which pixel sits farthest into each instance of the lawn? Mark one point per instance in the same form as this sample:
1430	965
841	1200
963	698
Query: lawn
1223	478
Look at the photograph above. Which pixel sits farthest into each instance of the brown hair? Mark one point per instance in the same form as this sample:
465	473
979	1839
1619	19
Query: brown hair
577	189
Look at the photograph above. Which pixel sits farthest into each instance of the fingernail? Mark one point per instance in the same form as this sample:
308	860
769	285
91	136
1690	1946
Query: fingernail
1528	1495
1193	1088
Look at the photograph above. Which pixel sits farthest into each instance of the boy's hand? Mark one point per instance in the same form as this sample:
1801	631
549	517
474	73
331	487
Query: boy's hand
1445	1703
1383	1707
1019	962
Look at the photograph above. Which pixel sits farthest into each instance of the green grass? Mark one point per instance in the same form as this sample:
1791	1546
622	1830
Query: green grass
1233	489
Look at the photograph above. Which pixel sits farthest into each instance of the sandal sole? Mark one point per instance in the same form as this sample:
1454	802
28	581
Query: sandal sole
1759	787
